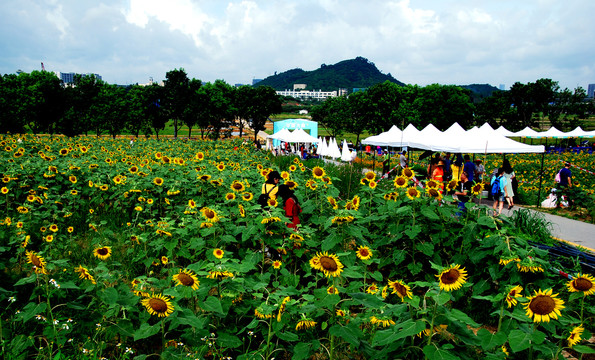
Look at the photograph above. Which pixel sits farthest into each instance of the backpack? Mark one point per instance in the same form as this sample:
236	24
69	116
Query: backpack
496	190
263	199
557	177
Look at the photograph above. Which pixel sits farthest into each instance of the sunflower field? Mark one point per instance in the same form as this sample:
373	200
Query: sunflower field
159	250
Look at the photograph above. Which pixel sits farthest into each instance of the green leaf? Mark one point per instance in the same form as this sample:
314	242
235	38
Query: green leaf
402	330
29	279
189	318
489	340
429	213
425	247
146	331
519	340
301	351
287	336
486	221
228	340
433	352
583	349
212	304
462	317
367	300
350	333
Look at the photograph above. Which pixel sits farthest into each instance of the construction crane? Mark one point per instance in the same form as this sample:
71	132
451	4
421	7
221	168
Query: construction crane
42	67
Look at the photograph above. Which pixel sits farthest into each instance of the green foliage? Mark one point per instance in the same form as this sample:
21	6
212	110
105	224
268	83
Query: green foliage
349	74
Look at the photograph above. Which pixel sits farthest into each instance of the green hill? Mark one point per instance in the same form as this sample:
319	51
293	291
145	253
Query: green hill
348	74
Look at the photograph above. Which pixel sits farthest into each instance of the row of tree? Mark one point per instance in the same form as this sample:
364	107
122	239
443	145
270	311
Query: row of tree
386	104
39	102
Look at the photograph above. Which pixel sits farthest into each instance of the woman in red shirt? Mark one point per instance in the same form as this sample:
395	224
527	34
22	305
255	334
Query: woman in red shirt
290	205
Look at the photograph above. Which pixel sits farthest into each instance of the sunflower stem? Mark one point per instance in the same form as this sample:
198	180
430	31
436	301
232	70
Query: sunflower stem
501	316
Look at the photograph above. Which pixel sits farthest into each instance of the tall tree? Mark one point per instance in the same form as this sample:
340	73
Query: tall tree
333	115
177	93
193	106
443	105
12	113
265	103
43	100
154	111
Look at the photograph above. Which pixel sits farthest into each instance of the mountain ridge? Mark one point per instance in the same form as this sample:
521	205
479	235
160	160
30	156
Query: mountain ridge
347	74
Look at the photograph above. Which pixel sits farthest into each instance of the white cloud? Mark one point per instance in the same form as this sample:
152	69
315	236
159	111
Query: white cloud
446	41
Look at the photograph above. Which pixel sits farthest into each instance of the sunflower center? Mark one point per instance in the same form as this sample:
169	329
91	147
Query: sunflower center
317	172
450	277
542	305
158	305
400	289
400	181
582	284
364	252
209	214
35	261
328	263
185	279
412	192
433	192
102	251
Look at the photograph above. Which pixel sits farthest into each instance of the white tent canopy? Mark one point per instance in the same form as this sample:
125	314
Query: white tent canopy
456	140
280	135
300	136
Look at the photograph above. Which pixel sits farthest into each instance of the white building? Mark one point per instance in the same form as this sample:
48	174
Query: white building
307	94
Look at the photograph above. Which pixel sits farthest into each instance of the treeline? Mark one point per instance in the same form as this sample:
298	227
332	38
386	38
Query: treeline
386	104
40	102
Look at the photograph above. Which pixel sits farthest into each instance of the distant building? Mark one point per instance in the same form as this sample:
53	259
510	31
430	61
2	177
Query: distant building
359	89
256	81
151	82
591	91
308	95
342	92
303	112
502	87
68	78
299	87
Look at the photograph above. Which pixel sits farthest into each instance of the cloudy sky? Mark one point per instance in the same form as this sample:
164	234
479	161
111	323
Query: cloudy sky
419	42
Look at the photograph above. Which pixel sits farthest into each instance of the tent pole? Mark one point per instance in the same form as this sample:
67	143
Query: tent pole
540	180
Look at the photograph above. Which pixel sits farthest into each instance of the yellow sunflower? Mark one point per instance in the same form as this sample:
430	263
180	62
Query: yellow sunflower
305	324
512	294
102	252
381	322
210	215
328	263
372	289
158	181
331	200
434	193
372	184
159	305
332	290
247	196
230	196
477	188
364	253
292	184
582	282
186	278
408	173
401	289
218	253
370	176
575	335
452	278
277	264
543	306
237	186
452	184
413	193
318	172
37	261
432	184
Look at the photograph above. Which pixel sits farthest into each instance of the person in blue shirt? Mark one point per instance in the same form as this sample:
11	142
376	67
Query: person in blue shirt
566	176
500	198
469	168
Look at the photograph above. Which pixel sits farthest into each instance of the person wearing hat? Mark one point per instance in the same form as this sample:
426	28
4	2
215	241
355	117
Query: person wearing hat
438	174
